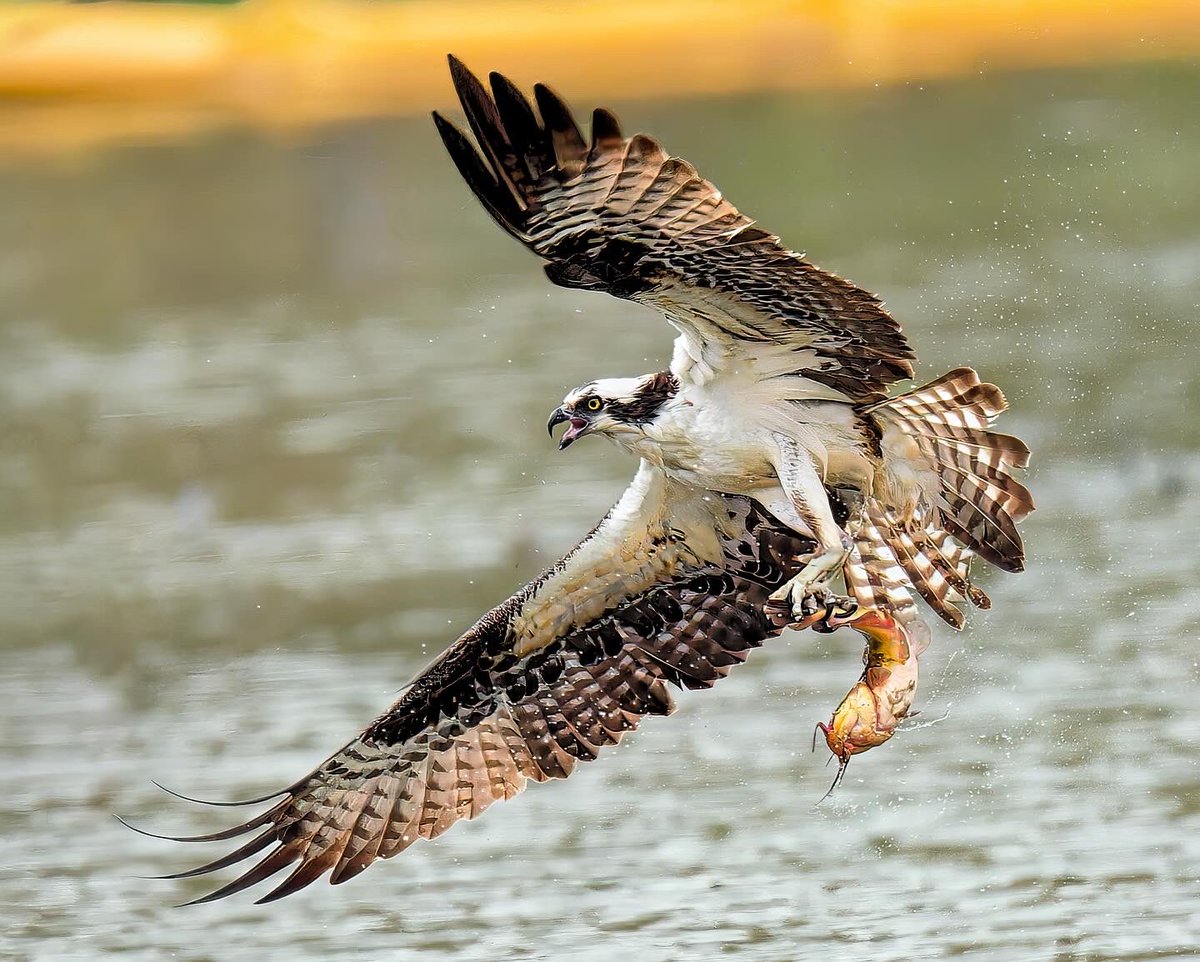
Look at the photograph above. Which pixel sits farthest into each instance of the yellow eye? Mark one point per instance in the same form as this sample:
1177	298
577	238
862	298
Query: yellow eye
594	404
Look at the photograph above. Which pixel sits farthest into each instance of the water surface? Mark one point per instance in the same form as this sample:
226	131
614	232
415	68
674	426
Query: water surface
273	436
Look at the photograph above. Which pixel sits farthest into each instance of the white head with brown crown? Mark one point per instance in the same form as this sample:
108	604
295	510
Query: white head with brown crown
619	408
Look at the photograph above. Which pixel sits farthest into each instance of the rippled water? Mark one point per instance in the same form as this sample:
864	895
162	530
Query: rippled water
272	436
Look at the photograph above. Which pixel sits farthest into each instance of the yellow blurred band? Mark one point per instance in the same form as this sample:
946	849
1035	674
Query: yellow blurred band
74	74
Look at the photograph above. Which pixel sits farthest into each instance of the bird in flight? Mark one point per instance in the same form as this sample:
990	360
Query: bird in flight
771	461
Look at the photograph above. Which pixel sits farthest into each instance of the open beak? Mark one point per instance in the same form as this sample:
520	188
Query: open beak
579	427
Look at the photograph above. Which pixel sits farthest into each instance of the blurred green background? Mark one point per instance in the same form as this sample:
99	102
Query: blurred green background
273	435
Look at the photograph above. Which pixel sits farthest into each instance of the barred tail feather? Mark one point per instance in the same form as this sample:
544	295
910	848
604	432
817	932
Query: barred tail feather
873	573
927	559
977	500
876	577
954	561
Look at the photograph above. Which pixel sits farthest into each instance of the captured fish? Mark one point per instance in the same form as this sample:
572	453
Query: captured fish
882	698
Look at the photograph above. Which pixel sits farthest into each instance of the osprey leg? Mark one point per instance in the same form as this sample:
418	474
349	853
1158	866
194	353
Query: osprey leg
801	503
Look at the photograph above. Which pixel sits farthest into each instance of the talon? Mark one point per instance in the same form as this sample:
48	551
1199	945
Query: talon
845	609
870	621
811	606
804	599
814	620
823	627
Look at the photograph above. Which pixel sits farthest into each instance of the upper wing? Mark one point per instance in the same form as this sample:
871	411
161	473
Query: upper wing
621	216
670	587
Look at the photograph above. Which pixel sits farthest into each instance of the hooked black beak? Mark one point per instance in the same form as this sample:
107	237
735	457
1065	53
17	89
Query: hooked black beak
556	418
578	428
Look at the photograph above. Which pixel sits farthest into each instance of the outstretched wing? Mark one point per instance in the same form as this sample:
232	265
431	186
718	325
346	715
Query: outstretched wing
620	215
669	588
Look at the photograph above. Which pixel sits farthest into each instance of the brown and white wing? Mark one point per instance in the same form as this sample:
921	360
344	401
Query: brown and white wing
668	590
618	214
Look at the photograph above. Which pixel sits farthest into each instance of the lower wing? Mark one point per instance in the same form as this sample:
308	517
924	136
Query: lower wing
668	590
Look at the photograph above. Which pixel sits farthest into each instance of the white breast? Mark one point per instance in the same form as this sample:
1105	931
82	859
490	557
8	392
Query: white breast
703	439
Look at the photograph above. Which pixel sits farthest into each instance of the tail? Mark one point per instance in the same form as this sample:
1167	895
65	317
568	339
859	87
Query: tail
893	556
973	498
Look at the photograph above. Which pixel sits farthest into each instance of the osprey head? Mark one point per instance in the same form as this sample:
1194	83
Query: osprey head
618	407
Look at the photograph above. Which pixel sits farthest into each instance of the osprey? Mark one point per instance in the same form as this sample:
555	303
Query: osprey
771	460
